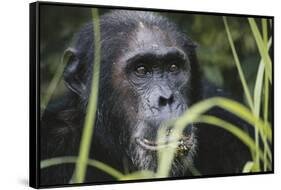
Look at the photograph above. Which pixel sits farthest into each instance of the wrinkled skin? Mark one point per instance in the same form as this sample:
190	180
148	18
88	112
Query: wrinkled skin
155	72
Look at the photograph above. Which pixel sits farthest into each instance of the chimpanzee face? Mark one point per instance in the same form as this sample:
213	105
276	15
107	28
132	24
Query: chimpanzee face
153	79
147	78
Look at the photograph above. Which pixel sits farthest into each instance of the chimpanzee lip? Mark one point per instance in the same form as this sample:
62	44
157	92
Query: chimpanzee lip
183	144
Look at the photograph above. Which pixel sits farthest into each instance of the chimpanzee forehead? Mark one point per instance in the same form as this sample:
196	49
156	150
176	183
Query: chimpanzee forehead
150	36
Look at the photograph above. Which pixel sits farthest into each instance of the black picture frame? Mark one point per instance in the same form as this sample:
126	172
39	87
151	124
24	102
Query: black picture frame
35	72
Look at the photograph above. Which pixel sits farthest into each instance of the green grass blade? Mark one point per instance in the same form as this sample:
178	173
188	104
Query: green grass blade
105	168
259	81
71	160
81	166
264	30
190	116
54	83
258	89
238	65
258	93
257	103
248	167
265	39
57	161
234	130
144	174
230	105
262	48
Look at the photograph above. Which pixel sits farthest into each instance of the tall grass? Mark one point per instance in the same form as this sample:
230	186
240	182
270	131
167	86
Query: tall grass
81	164
259	145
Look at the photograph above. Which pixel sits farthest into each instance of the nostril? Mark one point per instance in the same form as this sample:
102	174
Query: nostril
163	101
171	99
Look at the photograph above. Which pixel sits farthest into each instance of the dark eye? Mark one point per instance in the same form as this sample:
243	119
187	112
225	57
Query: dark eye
173	68
141	70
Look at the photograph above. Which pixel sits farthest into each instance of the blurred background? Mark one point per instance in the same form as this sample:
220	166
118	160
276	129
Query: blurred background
59	23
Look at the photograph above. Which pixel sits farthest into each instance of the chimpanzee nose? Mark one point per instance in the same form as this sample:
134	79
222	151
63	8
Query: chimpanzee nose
166	100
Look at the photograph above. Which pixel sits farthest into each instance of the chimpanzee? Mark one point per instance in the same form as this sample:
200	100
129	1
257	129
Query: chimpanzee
149	74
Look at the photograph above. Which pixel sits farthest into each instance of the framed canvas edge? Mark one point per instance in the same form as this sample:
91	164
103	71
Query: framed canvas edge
34	93
34	165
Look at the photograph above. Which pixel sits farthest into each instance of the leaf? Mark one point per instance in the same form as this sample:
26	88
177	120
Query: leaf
261	47
70	159
248	167
238	65
193	113
144	174
80	169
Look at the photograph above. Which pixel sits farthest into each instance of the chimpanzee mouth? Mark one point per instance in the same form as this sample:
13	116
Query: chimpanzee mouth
183	145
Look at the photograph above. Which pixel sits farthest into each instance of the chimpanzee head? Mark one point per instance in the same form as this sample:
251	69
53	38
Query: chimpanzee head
148	76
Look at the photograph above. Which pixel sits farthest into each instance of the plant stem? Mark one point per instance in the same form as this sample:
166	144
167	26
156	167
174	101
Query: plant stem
81	165
265	39
238	65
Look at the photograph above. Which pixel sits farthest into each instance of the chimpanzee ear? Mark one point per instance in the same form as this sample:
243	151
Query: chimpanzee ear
73	72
